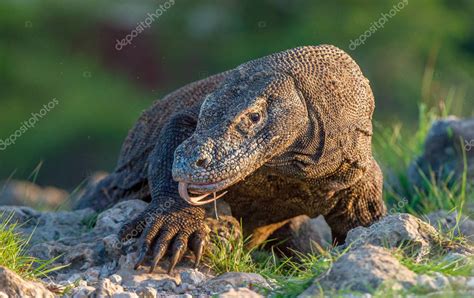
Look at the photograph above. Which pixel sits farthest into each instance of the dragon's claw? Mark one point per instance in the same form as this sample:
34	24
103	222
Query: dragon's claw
168	231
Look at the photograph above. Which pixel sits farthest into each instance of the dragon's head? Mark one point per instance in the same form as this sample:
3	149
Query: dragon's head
260	115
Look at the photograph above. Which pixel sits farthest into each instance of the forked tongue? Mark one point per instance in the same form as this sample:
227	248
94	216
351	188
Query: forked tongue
196	200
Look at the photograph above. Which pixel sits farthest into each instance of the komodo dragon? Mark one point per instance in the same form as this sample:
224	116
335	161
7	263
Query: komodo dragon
277	137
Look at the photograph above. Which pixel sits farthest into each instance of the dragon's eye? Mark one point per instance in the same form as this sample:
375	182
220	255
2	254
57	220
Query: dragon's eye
254	117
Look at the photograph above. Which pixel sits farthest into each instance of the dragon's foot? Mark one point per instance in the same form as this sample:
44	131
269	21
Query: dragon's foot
174	230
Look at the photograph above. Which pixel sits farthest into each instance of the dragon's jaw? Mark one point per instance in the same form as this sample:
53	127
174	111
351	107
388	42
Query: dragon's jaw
199	193
197	200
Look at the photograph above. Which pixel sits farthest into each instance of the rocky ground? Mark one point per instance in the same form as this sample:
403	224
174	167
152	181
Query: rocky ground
98	267
399	254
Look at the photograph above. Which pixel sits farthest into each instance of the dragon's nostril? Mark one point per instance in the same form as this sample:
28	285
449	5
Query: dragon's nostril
202	162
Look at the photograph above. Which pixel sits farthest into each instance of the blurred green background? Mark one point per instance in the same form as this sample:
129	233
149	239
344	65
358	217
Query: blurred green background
67	50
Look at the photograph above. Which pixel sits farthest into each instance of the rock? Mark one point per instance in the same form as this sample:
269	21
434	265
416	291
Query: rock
229	280
113	245
364	269
111	220
125	295
133	279
79	255
470	283
447	222
457	282
70	237
182	289
432	283
127	262
92	274
239	292
192	276
14	286
24	193
97	266
107	288
47	226
441	281
82	292
147	292
116	279
305	235
320	225
394	231
443	152
71	279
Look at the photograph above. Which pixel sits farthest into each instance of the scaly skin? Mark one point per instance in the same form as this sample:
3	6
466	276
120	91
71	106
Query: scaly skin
285	135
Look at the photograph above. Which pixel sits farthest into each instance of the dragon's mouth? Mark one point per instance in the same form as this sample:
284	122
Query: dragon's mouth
200	193
184	189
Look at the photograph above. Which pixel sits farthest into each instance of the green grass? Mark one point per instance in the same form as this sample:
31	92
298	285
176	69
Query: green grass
290	276
446	266
13	253
226	255
395	150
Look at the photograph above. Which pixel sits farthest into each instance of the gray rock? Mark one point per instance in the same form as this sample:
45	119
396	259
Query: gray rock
47	226
443	152
127	262
229	280
133	279
79	255
447	222
108	269
125	295
14	286
24	193
239	292
94	253
147	292
69	279
457	282
116	279
394	231
107	288
113	245
70	237
111	220
192	276
182	289
441	281
470	283
92	274
428	283
82	292
363	270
